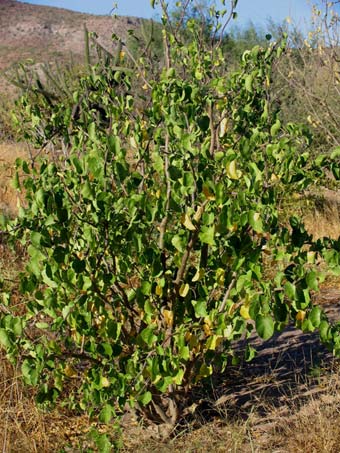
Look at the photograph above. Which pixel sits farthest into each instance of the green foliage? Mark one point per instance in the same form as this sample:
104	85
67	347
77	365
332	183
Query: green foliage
148	243
7	131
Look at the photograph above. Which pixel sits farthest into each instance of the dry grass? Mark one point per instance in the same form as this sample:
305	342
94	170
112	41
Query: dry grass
309	421
9	197
324	218
315	428
312	426
24	428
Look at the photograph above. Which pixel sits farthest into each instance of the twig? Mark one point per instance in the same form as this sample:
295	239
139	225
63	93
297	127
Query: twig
164	222
227	294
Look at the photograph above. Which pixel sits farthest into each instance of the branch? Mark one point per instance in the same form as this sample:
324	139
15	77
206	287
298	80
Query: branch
192	240
227	294
163	225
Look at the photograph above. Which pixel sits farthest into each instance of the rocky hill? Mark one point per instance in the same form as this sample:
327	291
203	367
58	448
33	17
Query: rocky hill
44	33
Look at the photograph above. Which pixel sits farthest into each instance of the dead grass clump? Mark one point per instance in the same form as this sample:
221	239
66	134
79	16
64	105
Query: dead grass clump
21	425
314	428
220	436
9	197
324	220
27	429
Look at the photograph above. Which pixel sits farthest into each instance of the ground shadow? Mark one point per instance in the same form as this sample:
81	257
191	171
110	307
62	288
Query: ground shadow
285	373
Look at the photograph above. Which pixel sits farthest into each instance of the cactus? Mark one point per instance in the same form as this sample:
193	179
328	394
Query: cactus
87	48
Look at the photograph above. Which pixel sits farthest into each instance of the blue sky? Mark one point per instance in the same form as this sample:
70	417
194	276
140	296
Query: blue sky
257	11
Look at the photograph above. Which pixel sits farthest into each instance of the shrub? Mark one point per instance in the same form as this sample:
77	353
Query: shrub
148	243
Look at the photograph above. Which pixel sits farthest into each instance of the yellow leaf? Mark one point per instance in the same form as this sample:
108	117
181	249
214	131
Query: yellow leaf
207	327
159	291
184	289
199	274
232	228
296	196
232	171
231	308
198	214
257	216
220	276
300	316
244	312
133	143
208	194
213	342
99	320
227	332
187	336
193	342
186	221
69	371
223	127
168	317
205	370
105	382
311	257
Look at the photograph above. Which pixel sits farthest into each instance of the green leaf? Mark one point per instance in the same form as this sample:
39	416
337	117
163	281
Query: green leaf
106	413
148	336
86	190
16	181
204	123
255	221
198	74
184	353
325	331
42	325
205	371
51	283
103	443
29	372
4	339
35	238
78	265
335	153
16	326
312	281
178	379
177	242
92	131
250	353
145	398
207	234
248	83
264	326
274	130
315	316
336	171
307	325
200	308
290	290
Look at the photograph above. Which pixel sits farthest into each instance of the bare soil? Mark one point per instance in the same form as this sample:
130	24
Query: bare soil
48	34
